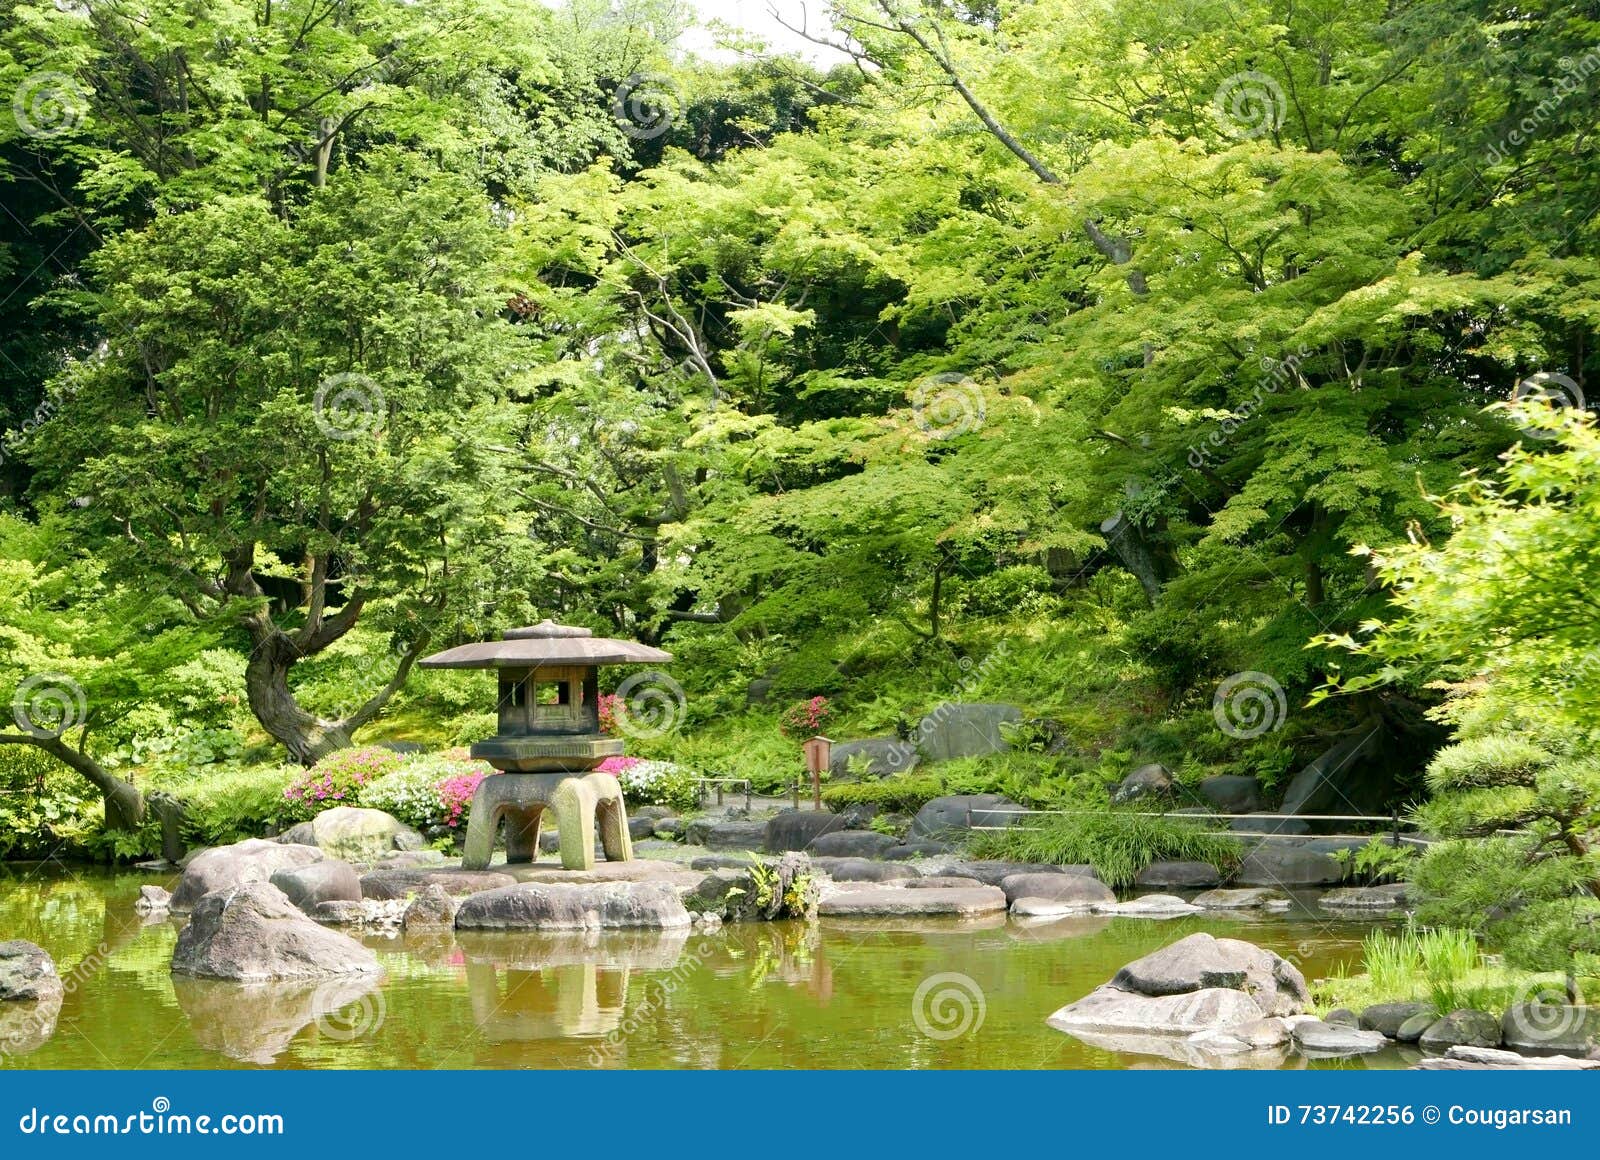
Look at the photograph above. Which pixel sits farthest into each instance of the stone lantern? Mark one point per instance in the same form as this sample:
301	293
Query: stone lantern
548	744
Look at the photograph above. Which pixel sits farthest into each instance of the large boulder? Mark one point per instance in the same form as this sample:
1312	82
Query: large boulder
1111	1009
1388	1018
726	834
786	887
992	872
1201	961
797	829
327	881
254	934
1269	824
880	756
854	844
1243	898
953	815
1272	864
28	974
1464	1028
222	867
1551	1028
598	906
1354	776
433	909
1232	793
954	730
1076	890
355	834
1178	874
1148	781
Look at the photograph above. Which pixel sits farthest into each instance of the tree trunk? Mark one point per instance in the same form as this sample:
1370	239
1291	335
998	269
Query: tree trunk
266	677
1141	553
123	801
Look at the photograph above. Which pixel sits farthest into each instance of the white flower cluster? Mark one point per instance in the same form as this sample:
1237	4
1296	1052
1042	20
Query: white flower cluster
410	794
657	783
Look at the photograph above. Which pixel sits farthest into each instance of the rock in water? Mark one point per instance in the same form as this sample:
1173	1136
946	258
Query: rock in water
254	934
1327	1040
1075	889
238	865
27	974
1201	961
356	835
1464	1028
431	910
598	906
327	881
152	900
1148	781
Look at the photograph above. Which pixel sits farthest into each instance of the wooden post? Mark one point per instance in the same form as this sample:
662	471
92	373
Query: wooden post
819	753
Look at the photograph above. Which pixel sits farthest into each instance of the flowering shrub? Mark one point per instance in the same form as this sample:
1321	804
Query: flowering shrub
608	713
431	793
652	783
806	719
337	779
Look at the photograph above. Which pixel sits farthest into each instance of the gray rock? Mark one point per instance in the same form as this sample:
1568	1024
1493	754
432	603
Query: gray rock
884	756
253	933
886	901
1148	781
1081	892
1343	1017
1389	1018
1464	1028
732	835
1111	1009
953	730
669	828
1368	899
326	881
1551	1028
1155	906
944	817
858	815
599	906
854	844
1266	824
1413	1028
355	834
1178	874
433	909
1490	1059
1347	779
641	828
245	862
940	882
922	848
653	813
707	862
798	829
410	860
384	885
786	887
1232	793
152	900
993	873
1245	898
28	974
1202	962
862	870
1331	1040
1274	865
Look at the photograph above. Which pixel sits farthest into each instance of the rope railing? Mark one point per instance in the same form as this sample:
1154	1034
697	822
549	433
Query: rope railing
719	782
1394	822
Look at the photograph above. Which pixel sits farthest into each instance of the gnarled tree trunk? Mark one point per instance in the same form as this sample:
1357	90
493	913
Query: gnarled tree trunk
124	803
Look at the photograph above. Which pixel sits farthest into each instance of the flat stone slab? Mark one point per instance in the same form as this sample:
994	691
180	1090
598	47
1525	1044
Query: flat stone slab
1330	1040
596	906
1111	1009
1076	889
638	870
1152	906
863	870
1244	898
1370	899
873	901
1183	874
384	885
1493	1059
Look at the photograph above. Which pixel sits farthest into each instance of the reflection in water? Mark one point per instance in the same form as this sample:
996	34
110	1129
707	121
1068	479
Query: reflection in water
256	1022
26	1027
1056	929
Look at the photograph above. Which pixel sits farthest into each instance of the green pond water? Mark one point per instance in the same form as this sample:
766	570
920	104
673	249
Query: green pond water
917	994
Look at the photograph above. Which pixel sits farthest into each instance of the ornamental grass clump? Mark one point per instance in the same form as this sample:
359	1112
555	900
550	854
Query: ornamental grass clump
1117	844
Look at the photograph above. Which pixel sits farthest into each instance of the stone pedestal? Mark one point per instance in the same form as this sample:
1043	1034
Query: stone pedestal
580	802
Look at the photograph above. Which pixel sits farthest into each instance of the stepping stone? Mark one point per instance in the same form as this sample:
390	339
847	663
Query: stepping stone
882	901
1247	898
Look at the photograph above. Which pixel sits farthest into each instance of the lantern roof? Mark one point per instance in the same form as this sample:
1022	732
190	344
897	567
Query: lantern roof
546	643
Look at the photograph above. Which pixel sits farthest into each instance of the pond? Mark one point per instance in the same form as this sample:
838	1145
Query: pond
891	994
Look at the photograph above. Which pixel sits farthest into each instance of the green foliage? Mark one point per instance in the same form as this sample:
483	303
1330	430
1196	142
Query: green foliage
1117	844
338	779
1378	861
229	804
1439	965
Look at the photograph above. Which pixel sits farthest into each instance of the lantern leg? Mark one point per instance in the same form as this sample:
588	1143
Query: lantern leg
508	798
611	814
573	802
523	823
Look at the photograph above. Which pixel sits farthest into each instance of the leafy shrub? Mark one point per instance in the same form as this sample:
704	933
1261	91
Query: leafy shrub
431	793
338	778
652	783
1487	763
1377	861
806	719
232	803
42	806
475	727
901	794
1117	844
